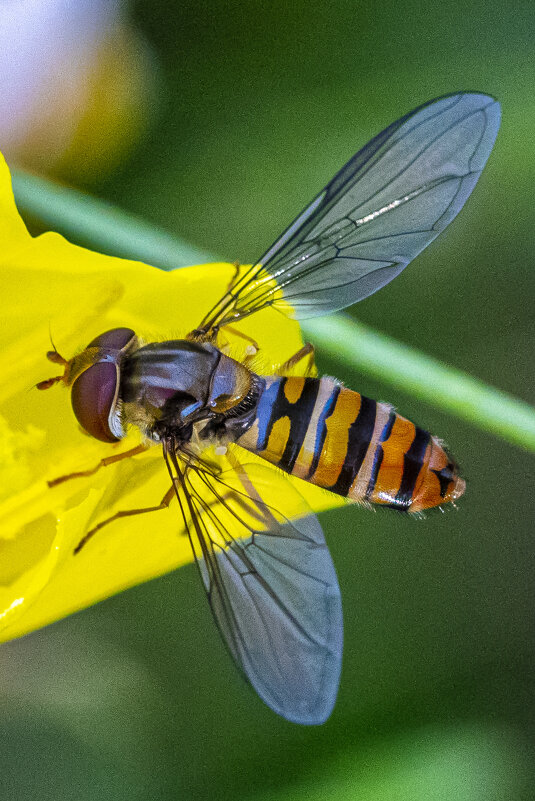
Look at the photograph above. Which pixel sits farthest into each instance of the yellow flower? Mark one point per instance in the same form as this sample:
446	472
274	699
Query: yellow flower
50	285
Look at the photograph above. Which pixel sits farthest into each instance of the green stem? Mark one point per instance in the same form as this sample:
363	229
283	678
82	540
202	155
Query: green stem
89	221
92	222
426	378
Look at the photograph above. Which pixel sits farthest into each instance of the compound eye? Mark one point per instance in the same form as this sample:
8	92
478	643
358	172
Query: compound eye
94	393
115	339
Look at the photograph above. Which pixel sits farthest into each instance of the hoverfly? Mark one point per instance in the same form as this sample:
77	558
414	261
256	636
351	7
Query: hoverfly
270	580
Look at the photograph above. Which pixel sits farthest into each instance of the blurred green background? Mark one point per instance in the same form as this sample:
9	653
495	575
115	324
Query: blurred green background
258	105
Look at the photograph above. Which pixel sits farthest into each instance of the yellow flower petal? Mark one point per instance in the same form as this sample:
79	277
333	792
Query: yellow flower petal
13	232
52	285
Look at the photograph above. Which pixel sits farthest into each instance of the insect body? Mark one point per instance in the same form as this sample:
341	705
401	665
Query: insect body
322	432
270	580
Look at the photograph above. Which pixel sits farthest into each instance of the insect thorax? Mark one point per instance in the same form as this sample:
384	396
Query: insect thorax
185	390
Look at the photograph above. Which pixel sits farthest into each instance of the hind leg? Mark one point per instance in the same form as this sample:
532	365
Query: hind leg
164	503
306	352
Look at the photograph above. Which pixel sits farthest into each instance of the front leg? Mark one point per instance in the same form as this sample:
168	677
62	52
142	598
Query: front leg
117	457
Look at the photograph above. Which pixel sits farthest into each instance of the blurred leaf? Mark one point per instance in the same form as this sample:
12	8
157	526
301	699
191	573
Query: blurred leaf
467	763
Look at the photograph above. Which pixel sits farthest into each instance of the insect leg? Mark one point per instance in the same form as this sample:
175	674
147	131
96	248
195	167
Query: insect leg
306	352
164	503
236	265
253	347
208	333
117	457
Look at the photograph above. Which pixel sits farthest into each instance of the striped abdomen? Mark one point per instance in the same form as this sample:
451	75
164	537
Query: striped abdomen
318	430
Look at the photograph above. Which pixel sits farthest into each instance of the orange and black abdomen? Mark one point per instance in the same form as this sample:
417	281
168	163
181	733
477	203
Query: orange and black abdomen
318	430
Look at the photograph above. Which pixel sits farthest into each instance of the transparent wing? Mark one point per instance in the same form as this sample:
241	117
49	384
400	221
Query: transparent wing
383	207
271	585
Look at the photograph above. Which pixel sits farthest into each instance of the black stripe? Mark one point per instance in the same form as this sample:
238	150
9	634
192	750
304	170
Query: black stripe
412	464
379	453
359	438
321	429
445	477
299	414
